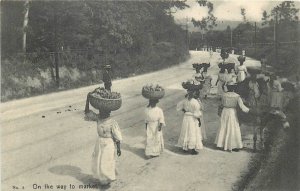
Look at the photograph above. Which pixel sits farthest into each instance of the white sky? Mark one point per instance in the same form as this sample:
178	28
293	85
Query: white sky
230	10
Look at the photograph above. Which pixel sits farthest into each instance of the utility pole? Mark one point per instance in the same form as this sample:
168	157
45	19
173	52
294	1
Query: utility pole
187	33
231	37
275	39
255	38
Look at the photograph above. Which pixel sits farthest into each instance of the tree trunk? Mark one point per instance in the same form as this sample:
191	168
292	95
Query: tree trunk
25	23
56	51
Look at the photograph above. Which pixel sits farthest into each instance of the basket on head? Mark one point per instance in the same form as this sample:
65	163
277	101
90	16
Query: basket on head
105	104
189	86
153	94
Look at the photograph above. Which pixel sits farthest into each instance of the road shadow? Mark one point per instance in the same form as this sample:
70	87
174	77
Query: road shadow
177	150
140	152
73	171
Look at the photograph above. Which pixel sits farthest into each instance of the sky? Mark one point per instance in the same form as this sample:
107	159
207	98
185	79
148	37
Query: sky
230	10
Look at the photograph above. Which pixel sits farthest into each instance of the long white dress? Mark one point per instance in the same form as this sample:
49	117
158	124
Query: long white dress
154	141
229	134
190	135
242	70
103	158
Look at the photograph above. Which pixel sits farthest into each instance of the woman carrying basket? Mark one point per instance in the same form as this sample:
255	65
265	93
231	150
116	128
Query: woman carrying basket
108	136
154	121
229	134
190	138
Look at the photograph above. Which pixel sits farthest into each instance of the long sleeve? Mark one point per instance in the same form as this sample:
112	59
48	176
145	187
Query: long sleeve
162	117
91	116
242	106
116	132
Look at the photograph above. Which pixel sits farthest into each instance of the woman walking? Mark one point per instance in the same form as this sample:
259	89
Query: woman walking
229	134
242	70
109	135
154	121
201	119
221	80
190	138
206	85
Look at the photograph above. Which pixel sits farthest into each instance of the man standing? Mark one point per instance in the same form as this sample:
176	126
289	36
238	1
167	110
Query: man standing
106	77
263	62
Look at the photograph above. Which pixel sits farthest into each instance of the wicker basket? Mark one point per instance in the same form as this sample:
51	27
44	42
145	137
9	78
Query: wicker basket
192	86
105	104
153	94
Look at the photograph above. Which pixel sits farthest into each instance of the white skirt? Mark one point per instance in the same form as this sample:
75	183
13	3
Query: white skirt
103	160
229	135
190	135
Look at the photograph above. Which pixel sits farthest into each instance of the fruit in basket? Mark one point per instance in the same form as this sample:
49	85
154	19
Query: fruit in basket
104	93
153	91
152	87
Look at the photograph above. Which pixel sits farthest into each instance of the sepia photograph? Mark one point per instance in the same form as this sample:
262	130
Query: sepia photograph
150	95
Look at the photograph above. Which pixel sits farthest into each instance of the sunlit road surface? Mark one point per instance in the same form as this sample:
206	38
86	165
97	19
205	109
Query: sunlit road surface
45	139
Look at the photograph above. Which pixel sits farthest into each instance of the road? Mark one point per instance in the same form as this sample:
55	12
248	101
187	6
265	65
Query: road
46	141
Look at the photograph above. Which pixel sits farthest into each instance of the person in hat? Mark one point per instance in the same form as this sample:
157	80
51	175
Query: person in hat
206	84
190	138
229	134
154	121
253	102
241	70
106	77
103	157
263	63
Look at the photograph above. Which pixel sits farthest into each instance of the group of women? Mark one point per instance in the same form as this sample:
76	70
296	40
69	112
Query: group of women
193	129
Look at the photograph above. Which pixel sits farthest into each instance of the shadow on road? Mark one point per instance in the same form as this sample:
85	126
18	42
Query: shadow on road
73	171
137	151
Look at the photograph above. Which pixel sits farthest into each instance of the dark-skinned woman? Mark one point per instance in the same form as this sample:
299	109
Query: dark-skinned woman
154	121
108	135
190	138
229	134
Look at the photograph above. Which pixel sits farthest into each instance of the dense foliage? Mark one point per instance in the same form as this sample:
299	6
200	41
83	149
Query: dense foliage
74	39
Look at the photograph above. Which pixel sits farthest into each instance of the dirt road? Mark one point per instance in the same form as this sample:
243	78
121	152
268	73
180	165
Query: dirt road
46	142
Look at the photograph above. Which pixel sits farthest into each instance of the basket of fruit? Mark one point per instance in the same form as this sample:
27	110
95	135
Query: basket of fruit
192	85
103	99
241	58
153	91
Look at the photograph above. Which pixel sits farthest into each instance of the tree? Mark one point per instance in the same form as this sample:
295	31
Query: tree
265	18
243	13
209	22
25	23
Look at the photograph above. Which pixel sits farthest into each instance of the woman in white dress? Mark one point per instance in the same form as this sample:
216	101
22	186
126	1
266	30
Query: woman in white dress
103	158
206	84
154	120
221	81
190	138
229	134
242	71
